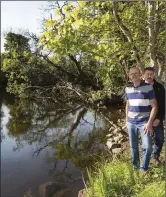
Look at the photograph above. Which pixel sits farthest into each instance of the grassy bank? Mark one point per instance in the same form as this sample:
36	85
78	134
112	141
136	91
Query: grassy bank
117	178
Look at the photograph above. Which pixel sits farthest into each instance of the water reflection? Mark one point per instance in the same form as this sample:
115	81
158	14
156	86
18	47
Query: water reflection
69	135
71	131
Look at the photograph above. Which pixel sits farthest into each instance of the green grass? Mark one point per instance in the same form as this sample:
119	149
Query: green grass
153	190
116	178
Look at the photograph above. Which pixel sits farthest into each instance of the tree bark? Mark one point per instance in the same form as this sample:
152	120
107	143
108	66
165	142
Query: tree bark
77	64
152	33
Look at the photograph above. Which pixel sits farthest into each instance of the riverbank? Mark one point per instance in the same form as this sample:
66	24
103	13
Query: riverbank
117	178
113	175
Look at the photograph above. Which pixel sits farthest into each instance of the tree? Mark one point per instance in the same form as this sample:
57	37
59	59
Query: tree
15	61
91	45
156	34
116	34
22	63
3	80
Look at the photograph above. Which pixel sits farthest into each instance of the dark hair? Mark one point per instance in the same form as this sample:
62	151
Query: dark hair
149	68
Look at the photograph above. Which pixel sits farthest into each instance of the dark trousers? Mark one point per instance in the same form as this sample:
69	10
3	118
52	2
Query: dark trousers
158	140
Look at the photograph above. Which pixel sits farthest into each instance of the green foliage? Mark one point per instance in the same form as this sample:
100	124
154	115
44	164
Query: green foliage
112	181
15	61
91	28
155	189
117	178
23	67
88	45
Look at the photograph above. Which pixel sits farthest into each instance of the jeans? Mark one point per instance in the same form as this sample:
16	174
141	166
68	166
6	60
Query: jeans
158	140
133	130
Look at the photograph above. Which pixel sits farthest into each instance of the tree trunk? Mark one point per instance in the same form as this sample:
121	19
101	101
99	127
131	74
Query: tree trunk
152	33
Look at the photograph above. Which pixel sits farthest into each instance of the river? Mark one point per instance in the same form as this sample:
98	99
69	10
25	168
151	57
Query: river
45	141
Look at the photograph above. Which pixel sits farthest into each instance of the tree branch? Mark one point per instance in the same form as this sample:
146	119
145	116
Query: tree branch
76	63
56	65
128	34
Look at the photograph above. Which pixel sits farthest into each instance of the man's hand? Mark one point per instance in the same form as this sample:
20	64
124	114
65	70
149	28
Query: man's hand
148	128
156	122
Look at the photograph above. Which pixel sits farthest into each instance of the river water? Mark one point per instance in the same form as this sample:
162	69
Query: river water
44	141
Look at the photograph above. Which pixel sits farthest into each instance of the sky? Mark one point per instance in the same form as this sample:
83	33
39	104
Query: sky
22	15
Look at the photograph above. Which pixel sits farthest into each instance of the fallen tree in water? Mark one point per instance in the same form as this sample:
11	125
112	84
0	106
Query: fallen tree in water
67	92
37	75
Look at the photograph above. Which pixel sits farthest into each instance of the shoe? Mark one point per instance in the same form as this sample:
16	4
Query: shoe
143	171
135	168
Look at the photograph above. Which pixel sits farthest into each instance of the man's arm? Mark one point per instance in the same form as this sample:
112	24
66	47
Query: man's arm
148	126
161	104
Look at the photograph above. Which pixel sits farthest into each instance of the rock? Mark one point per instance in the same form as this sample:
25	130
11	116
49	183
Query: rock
124	132
63	193
116	146
111	129
112	145
103	107
81	193
117	150
120	135
109	144
110	140
123	140
117	138
124	127
48	189
109	135
116	130
114	125
111	122
126	145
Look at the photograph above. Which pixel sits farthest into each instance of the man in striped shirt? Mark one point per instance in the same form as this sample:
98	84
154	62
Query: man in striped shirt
141	109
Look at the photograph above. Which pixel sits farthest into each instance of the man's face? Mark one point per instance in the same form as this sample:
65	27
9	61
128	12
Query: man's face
134	75
149	76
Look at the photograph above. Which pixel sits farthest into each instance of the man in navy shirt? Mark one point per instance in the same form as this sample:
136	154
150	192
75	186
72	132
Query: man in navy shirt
141	109
149	77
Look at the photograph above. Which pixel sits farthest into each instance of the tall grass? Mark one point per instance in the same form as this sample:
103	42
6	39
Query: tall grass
118	179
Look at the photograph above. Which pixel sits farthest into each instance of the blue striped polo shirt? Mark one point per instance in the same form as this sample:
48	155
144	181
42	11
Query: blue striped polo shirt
139	102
